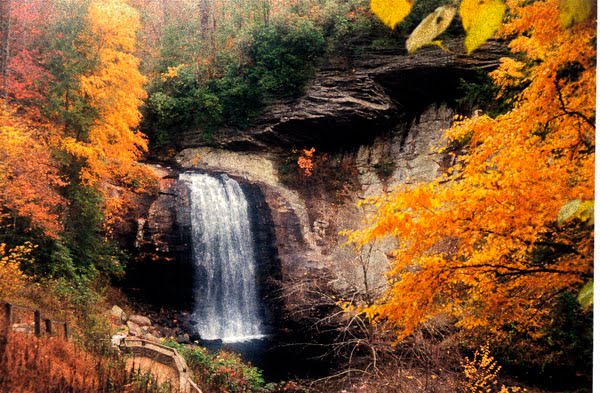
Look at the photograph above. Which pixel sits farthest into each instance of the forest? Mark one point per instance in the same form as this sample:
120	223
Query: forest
486	278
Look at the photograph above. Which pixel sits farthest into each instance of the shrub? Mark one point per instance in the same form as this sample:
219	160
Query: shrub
219	372
283	56
12	278
481	373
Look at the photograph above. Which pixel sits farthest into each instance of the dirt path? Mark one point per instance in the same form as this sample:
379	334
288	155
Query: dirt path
162	373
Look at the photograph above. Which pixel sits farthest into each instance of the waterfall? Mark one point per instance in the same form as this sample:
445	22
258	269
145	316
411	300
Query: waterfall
227	305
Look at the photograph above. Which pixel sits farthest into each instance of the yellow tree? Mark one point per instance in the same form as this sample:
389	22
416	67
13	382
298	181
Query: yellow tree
12	278
115	91
483	242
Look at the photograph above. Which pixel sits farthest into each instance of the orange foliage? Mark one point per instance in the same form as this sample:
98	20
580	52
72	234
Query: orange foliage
28	175
30	365
115	90
28	79
482	242
305	161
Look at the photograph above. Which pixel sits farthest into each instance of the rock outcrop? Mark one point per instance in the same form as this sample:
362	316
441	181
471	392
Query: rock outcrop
349	106
307	224
378	122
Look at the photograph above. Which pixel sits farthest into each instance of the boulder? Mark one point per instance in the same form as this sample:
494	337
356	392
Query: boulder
134	329
183	338
118	314
140	320
166	332
151	337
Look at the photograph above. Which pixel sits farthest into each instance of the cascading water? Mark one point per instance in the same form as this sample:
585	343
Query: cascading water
227	305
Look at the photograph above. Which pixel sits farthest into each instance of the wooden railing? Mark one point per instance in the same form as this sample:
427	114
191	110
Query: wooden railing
162	354
50	327
33	321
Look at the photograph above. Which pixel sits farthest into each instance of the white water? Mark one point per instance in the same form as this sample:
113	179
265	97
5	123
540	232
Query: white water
227	305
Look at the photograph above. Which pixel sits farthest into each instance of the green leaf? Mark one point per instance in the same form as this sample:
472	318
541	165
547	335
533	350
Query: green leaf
391	12
574	11
586	295
480	19
433	25
568	210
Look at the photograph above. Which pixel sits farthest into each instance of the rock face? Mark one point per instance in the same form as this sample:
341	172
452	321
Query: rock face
306	224
162	273
378	122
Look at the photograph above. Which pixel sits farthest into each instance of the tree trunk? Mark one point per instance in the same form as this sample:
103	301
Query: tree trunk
207	17
6	25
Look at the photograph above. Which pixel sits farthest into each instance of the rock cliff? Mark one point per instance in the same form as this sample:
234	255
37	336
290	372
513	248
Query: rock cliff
376	123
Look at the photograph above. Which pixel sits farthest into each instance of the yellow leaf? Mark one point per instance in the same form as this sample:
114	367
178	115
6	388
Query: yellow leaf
574	11
443	47
433	25
480	19
391	12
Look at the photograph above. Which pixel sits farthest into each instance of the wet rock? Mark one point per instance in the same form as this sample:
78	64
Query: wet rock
166	331
195	337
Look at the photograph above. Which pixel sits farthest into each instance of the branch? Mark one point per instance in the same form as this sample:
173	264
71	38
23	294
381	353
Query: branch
563	106
514	271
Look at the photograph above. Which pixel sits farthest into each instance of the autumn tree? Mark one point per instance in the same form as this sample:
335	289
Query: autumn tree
69	131
12	278
114	92
27	76
505	231
29	177
104	91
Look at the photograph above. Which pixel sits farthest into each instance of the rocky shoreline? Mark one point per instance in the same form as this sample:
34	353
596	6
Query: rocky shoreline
155	325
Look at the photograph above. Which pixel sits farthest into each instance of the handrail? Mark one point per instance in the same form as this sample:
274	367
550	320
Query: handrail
185	383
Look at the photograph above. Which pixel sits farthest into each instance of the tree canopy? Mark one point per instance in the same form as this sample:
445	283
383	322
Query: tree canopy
484	242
